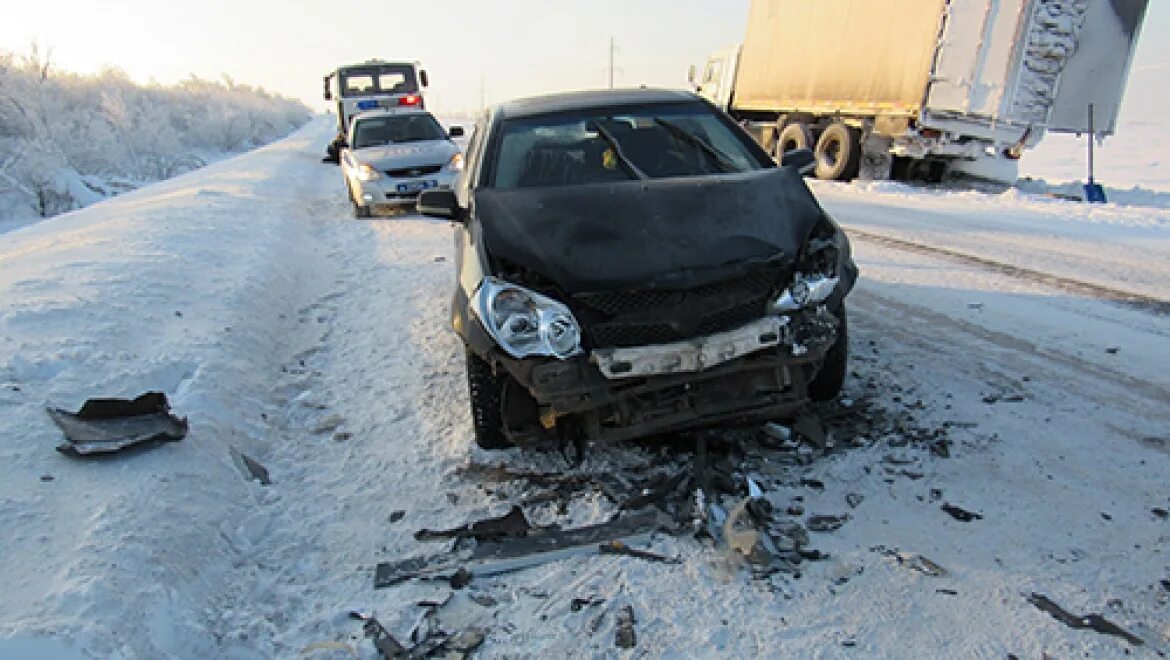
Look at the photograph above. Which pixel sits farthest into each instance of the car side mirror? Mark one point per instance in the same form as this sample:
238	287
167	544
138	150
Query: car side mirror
422	76
691	74
455	131
439	203
802	160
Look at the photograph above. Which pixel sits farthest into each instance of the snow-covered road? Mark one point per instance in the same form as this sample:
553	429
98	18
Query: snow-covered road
318	344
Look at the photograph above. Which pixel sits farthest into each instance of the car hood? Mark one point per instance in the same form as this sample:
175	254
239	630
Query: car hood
665	233
409	154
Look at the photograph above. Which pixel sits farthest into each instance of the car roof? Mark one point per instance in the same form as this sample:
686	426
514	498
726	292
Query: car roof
567	101
389	112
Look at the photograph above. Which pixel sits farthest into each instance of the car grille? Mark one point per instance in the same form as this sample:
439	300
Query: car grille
419	170
657	316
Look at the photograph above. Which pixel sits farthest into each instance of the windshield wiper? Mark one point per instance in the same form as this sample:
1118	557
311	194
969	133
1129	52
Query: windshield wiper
718	157
617	149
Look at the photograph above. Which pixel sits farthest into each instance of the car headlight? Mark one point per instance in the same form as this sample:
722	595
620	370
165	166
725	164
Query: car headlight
805	290
366	172
456	163
816	276
525	323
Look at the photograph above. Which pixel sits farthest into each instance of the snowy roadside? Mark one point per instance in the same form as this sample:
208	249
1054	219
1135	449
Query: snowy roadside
318	344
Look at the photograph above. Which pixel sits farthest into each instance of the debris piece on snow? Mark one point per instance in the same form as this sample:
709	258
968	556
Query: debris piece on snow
395	516
854	500
921	564
47	477
461	578
809	427
388	574
577	604
465	641
1112	350
1160	512
104	426
514	554
947	592
825	523
387	645
754	489
1093	621
747	542
619	548
778	432
961	514
655	491
512	523
249	466
624	635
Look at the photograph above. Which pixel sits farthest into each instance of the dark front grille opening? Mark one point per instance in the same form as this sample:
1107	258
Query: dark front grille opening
420	170
653	316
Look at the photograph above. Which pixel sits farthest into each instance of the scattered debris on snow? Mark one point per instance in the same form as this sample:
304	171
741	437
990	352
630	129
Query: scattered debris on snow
1092	621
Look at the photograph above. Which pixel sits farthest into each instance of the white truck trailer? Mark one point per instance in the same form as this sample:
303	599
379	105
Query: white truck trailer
918	88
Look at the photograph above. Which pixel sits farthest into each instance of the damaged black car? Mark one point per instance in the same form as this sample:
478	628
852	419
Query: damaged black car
632	263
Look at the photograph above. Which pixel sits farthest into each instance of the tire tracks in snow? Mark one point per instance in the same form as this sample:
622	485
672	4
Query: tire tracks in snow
1124	298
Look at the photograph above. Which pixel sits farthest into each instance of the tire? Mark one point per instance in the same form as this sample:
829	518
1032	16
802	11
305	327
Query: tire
484	389
829	380
838	153
794	136
360	211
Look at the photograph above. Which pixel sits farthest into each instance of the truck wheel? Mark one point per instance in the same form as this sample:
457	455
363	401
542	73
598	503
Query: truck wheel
794	136
829	380
484	389
838	153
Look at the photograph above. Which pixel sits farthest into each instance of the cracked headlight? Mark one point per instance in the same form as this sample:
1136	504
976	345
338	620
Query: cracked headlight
816	276
367	173
525	323
805	290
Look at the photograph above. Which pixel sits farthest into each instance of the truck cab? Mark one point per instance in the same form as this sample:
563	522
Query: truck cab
368	86
717	78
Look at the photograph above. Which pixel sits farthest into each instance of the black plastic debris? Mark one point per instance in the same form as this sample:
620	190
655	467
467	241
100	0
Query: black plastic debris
104	426
825	523
619	548
388	646
624	635
512	523
1092	621
961	514
250	467
578	604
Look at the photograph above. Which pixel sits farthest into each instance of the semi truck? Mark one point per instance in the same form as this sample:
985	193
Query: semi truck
917	89
370	85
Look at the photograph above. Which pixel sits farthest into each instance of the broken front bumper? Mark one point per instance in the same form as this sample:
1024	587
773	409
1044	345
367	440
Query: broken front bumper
758	371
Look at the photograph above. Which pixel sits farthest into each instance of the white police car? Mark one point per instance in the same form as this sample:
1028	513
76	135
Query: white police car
393	155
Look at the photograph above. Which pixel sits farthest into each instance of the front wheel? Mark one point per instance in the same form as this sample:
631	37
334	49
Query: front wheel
831	378
485	390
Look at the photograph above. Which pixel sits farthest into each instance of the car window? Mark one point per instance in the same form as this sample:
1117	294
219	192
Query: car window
378	78
618	144
391	129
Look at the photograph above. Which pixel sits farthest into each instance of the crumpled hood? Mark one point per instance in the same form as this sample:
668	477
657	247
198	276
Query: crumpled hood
410	154
670	233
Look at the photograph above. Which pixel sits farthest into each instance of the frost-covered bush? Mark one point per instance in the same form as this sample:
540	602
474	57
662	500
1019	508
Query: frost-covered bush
68	140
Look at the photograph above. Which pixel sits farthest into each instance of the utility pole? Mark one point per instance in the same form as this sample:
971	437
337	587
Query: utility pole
611	62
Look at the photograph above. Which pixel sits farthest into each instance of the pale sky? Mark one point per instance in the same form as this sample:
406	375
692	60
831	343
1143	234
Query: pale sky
516	47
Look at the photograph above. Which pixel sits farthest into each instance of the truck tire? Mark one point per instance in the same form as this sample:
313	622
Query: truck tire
838	153
483	390
360	211
794	136
829	380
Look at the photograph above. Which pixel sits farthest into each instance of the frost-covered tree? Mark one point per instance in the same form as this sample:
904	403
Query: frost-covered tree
67	140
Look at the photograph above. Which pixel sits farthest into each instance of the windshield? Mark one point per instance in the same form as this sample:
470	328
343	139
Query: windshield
378	79
618	144
413	127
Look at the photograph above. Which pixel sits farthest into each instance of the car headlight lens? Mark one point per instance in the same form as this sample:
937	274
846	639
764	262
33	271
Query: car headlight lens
366	172
456	163
804	291
525	323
